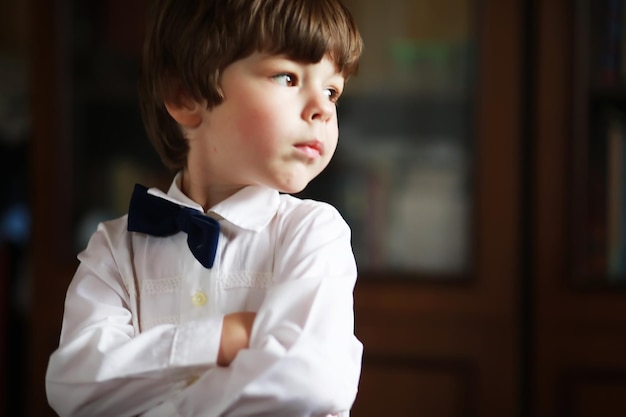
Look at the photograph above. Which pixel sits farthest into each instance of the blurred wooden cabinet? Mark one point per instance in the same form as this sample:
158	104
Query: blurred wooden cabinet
428	174
578	298
437	344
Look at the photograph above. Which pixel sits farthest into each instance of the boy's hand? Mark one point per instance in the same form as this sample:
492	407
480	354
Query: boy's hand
235	335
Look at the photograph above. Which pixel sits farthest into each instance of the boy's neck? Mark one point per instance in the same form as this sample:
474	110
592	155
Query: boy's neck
207	195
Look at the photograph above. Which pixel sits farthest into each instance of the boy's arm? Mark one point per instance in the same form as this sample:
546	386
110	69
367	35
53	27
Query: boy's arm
104	365
291	369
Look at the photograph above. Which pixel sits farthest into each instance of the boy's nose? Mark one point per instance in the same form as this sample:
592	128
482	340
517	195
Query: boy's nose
319	108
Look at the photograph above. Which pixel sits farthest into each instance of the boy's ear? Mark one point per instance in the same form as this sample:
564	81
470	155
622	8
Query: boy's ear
186	111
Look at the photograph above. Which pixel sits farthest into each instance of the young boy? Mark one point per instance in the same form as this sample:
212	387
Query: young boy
240	302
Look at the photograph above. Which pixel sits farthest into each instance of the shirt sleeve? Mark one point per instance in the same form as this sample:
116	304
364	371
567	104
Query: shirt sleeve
304	359
104	365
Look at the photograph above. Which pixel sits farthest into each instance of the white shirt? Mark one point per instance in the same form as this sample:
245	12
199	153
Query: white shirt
143	318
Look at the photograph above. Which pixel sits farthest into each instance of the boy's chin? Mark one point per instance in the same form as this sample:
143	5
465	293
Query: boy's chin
293	188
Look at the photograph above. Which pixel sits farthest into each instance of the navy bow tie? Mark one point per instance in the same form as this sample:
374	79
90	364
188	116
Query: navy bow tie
159	217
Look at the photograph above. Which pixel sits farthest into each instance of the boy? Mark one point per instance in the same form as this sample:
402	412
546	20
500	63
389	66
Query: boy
240	302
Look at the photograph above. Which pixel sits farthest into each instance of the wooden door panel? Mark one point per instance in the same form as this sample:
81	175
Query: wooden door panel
406	386
450	358
581	370
594	393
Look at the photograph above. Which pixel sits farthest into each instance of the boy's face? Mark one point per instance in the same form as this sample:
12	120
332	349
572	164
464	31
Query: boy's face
277	125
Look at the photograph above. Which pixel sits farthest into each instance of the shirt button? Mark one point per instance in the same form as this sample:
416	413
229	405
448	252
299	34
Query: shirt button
192	380
199	299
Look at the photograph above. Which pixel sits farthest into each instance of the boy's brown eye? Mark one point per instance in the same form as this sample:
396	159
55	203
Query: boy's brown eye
333	95
287	80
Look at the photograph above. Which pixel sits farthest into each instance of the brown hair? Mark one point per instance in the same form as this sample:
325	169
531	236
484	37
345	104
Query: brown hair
190	42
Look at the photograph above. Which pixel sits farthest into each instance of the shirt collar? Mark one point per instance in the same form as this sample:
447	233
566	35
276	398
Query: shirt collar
250	208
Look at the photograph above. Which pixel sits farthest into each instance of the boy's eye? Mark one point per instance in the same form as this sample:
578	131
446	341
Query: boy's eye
333	94
287	80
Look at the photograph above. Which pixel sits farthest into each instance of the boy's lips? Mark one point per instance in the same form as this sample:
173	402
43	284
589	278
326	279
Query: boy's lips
312	149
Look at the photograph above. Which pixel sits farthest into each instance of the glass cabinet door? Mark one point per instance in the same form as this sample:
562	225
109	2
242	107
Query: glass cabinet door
402	174
599	146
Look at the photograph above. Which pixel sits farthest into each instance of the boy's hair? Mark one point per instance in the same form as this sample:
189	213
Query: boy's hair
190	42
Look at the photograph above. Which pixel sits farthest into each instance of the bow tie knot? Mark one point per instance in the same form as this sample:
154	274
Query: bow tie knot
159	217
184	218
